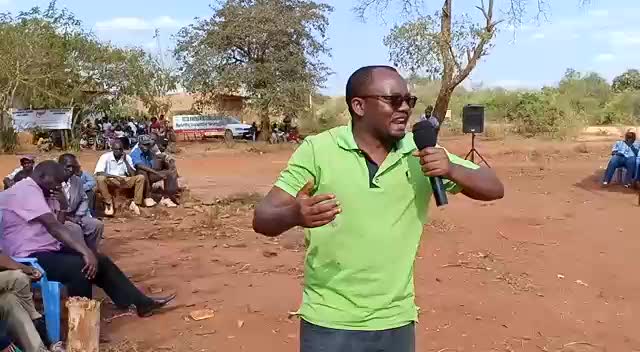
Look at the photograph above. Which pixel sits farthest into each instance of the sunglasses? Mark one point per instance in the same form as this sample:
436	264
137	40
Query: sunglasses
394	100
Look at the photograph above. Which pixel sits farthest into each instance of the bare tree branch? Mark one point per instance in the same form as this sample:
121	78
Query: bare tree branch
455	58
479	50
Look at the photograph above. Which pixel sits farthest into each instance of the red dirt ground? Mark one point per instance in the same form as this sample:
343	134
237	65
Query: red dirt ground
549	268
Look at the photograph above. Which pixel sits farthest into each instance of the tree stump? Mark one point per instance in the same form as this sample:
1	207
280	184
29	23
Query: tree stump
84	325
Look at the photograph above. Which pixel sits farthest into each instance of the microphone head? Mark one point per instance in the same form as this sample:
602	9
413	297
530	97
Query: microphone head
424	134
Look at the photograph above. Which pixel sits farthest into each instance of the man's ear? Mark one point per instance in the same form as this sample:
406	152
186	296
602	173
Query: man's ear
357	105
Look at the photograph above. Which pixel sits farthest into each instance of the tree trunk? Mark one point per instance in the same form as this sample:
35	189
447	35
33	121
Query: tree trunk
448	63
265	124
84	325
442	103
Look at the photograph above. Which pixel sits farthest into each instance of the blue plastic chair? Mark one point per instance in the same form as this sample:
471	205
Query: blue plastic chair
51	298
50	295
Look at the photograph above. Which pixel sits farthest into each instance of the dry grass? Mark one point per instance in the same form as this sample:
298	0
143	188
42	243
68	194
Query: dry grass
233	206
241	199
581	148
494	132
123	346
212	217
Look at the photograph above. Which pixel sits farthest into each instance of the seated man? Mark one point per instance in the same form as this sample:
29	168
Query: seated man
26	164
153	169
623	154
17	310
31	230
163	155
76	210
115	169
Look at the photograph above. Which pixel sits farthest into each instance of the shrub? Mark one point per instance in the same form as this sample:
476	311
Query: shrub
8	140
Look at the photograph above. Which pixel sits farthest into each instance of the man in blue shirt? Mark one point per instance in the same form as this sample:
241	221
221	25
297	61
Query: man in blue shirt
146	163
89	186
623	154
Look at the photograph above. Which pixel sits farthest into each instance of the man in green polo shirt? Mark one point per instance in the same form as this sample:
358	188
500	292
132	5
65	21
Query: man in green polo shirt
362	193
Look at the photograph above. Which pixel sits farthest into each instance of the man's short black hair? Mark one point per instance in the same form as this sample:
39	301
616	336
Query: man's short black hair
66	156
21	175
359	80
49	168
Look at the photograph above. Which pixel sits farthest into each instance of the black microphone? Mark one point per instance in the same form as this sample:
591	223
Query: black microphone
425	135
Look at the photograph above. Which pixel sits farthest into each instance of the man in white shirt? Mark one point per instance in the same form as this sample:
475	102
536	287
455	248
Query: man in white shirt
114	169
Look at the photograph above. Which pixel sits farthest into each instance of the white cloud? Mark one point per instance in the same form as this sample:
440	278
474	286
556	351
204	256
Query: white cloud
137	23
538	35
605	57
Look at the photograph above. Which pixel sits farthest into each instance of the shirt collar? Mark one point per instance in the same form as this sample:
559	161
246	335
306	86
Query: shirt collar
346	141
113	157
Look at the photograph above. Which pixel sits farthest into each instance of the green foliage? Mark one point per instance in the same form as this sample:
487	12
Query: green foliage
50	61
267	50
8	139
629	80
624	108
331	113
414	45
579	99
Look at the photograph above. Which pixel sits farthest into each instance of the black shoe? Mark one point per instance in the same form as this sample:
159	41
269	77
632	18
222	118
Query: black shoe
157	303
41	327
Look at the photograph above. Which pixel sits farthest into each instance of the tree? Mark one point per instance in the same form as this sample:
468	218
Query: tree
628	81
442	45
266	50
50	61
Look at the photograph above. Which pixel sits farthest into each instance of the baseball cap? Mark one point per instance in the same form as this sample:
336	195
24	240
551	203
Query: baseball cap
145	139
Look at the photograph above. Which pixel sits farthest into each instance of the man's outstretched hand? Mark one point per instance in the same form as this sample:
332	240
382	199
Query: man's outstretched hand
316	210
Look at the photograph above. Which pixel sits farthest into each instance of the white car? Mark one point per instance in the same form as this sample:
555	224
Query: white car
230	128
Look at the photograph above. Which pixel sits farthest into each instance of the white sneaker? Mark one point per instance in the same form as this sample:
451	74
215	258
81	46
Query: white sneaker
57	347
149	202
108	209
134	208
168	203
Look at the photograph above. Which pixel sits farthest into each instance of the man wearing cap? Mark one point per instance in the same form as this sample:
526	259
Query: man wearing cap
26	165
115	169
150	166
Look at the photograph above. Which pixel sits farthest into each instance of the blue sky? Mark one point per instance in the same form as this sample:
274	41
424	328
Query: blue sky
603	36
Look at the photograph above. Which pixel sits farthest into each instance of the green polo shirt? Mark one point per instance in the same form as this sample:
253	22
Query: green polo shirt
359	268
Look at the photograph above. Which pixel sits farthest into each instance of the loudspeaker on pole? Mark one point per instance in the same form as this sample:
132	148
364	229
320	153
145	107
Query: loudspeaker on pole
473	118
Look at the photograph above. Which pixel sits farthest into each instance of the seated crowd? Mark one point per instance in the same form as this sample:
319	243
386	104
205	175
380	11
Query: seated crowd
624	154
46	214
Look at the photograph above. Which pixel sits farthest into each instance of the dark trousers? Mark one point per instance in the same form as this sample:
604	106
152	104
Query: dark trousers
170	182
314	338
66	266
91	195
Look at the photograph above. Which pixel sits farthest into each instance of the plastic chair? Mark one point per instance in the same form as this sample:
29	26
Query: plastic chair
50	295
618	175
51	298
